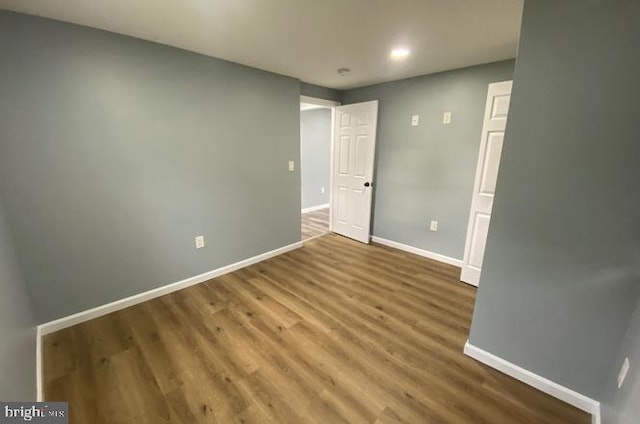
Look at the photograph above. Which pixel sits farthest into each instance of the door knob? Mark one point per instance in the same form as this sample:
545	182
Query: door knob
367	184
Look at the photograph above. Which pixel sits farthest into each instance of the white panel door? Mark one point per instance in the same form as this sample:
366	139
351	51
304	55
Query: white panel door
352	175
495	122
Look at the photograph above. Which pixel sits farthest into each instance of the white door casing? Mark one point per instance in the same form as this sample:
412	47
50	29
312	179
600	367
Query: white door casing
352	169
495	122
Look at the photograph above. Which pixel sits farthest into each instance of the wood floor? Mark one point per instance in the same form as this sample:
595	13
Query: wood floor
335	332
315	223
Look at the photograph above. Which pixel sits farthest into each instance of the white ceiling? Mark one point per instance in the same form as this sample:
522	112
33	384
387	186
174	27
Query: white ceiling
311	39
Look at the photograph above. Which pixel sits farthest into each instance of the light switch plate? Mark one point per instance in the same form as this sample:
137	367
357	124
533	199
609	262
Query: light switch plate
199	242
292	165
415	120
434	226
446	118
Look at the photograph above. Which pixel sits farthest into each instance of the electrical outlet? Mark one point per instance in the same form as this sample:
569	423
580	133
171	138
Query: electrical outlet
623	372
415	120
199	242
322	190
434	225
446	118
292	165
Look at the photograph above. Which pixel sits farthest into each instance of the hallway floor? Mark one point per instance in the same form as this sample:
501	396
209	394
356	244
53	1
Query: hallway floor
315	223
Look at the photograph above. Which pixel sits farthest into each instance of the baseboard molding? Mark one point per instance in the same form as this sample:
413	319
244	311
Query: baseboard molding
315	208
427	254
547	386
71	320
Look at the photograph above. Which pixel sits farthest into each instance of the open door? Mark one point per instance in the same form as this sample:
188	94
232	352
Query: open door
484	187
352	169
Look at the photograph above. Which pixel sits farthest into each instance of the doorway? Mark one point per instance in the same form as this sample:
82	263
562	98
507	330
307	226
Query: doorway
316	139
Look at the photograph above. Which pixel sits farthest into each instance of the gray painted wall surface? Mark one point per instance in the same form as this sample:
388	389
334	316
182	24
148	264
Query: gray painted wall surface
427	172
17	326
560	275
115	153
320	92
622	406
315	156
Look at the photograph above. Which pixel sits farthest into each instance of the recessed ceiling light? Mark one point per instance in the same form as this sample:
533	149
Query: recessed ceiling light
400	53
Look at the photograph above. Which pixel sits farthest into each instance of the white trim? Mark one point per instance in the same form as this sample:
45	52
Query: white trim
39	370
315	208
547	386
596	415
59	324
427	254
318	101
305	107
333	134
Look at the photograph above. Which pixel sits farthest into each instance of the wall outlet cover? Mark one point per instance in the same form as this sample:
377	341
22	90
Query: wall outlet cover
199	242
415	120
446	118
433	226
292	165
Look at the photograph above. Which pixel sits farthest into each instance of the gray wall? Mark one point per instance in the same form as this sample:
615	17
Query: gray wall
427	172
315	156
562	262
320	92
622	406
17	326
115	153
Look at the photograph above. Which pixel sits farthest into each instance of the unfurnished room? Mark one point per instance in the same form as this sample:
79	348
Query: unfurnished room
305	211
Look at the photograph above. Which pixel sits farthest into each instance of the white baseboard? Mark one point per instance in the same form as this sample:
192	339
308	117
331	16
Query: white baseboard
71	320
427	254
547	386
315	208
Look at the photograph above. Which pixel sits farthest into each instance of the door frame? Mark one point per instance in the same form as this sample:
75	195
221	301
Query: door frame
331	104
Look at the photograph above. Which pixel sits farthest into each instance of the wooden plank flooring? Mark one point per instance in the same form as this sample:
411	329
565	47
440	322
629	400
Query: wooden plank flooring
315	223
335	332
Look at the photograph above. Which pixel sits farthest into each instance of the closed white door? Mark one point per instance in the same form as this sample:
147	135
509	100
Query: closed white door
484	187
352	169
